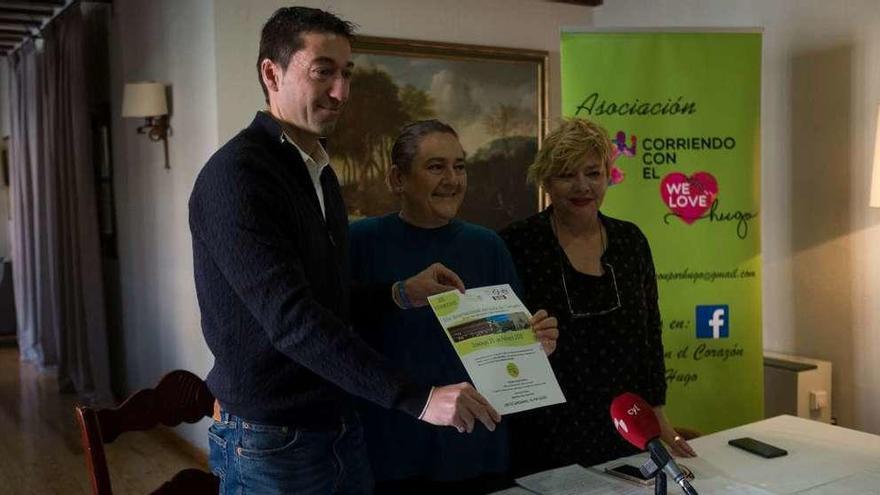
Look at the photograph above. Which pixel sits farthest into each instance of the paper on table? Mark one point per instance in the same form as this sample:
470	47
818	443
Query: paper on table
575	480
860	483
514	491
721	486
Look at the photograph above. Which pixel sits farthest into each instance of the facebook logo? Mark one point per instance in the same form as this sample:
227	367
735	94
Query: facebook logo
713	322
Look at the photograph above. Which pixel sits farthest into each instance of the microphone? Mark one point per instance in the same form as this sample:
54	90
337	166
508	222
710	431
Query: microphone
635	421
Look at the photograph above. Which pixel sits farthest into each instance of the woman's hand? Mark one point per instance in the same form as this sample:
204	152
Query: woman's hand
435	279
546	331
678	446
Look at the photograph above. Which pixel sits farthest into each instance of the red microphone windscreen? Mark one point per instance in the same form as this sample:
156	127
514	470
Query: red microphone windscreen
634	419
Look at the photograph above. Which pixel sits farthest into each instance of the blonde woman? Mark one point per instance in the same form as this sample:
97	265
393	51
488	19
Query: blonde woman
595	273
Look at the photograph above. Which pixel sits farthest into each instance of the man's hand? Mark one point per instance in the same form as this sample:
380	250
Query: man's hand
433	280
546	331
460	406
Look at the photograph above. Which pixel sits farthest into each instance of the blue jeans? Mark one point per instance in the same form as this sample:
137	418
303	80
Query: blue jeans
252	458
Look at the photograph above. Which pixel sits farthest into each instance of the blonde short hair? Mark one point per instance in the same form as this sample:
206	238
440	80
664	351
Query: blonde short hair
566	147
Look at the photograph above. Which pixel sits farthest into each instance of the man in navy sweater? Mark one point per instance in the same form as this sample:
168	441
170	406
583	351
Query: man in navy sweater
270	249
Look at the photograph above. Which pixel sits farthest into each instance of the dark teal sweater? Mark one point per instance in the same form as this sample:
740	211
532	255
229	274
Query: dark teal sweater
385	249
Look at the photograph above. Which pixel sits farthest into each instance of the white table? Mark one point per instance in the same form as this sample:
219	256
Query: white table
822	460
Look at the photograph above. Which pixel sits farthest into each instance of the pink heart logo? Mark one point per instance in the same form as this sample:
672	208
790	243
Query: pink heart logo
689	197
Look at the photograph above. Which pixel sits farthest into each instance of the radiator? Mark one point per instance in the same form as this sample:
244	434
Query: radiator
798	386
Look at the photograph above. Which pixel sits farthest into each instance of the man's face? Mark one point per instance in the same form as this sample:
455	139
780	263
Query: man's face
314	86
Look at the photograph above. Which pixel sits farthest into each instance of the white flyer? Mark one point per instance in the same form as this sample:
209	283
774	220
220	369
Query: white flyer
489	329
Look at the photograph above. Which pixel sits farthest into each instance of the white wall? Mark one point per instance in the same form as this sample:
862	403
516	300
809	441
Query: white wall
178	43
530	24
170	41
821	84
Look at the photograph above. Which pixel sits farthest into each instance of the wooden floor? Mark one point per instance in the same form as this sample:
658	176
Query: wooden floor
40	449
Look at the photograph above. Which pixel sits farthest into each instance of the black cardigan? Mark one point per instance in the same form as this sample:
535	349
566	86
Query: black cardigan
598	357
272	279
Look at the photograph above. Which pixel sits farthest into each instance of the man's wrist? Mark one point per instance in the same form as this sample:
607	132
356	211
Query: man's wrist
427	402
413	399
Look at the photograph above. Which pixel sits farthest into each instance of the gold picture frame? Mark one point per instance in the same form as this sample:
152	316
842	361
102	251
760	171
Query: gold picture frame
496	99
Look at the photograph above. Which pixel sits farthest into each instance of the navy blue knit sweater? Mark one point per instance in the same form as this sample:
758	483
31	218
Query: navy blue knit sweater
272	279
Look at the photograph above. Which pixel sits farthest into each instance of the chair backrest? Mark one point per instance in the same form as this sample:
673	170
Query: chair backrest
180	396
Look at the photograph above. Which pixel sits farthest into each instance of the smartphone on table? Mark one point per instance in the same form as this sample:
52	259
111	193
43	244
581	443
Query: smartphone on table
629	472
758	447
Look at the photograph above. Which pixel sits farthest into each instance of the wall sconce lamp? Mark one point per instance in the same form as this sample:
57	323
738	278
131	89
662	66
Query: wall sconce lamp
875	179
147	100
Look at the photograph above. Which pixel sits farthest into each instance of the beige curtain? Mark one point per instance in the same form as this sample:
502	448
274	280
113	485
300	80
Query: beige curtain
58	282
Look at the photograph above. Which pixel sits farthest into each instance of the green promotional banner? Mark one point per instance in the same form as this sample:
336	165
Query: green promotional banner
683	112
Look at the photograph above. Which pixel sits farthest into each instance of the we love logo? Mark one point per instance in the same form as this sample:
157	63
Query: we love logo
689	197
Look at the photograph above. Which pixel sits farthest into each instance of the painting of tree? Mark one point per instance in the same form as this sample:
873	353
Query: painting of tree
495	98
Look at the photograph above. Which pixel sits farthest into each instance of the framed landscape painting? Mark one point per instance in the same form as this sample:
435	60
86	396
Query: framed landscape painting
495	98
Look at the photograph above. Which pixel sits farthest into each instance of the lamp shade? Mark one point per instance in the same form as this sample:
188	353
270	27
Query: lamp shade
875	179
144	99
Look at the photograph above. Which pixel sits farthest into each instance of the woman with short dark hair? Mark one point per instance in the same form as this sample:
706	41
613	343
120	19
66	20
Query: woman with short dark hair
429	176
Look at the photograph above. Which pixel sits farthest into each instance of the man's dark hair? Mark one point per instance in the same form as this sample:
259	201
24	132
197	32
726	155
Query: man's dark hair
282	34
407	143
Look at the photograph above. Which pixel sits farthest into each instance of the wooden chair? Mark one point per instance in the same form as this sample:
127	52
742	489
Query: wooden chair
179	396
